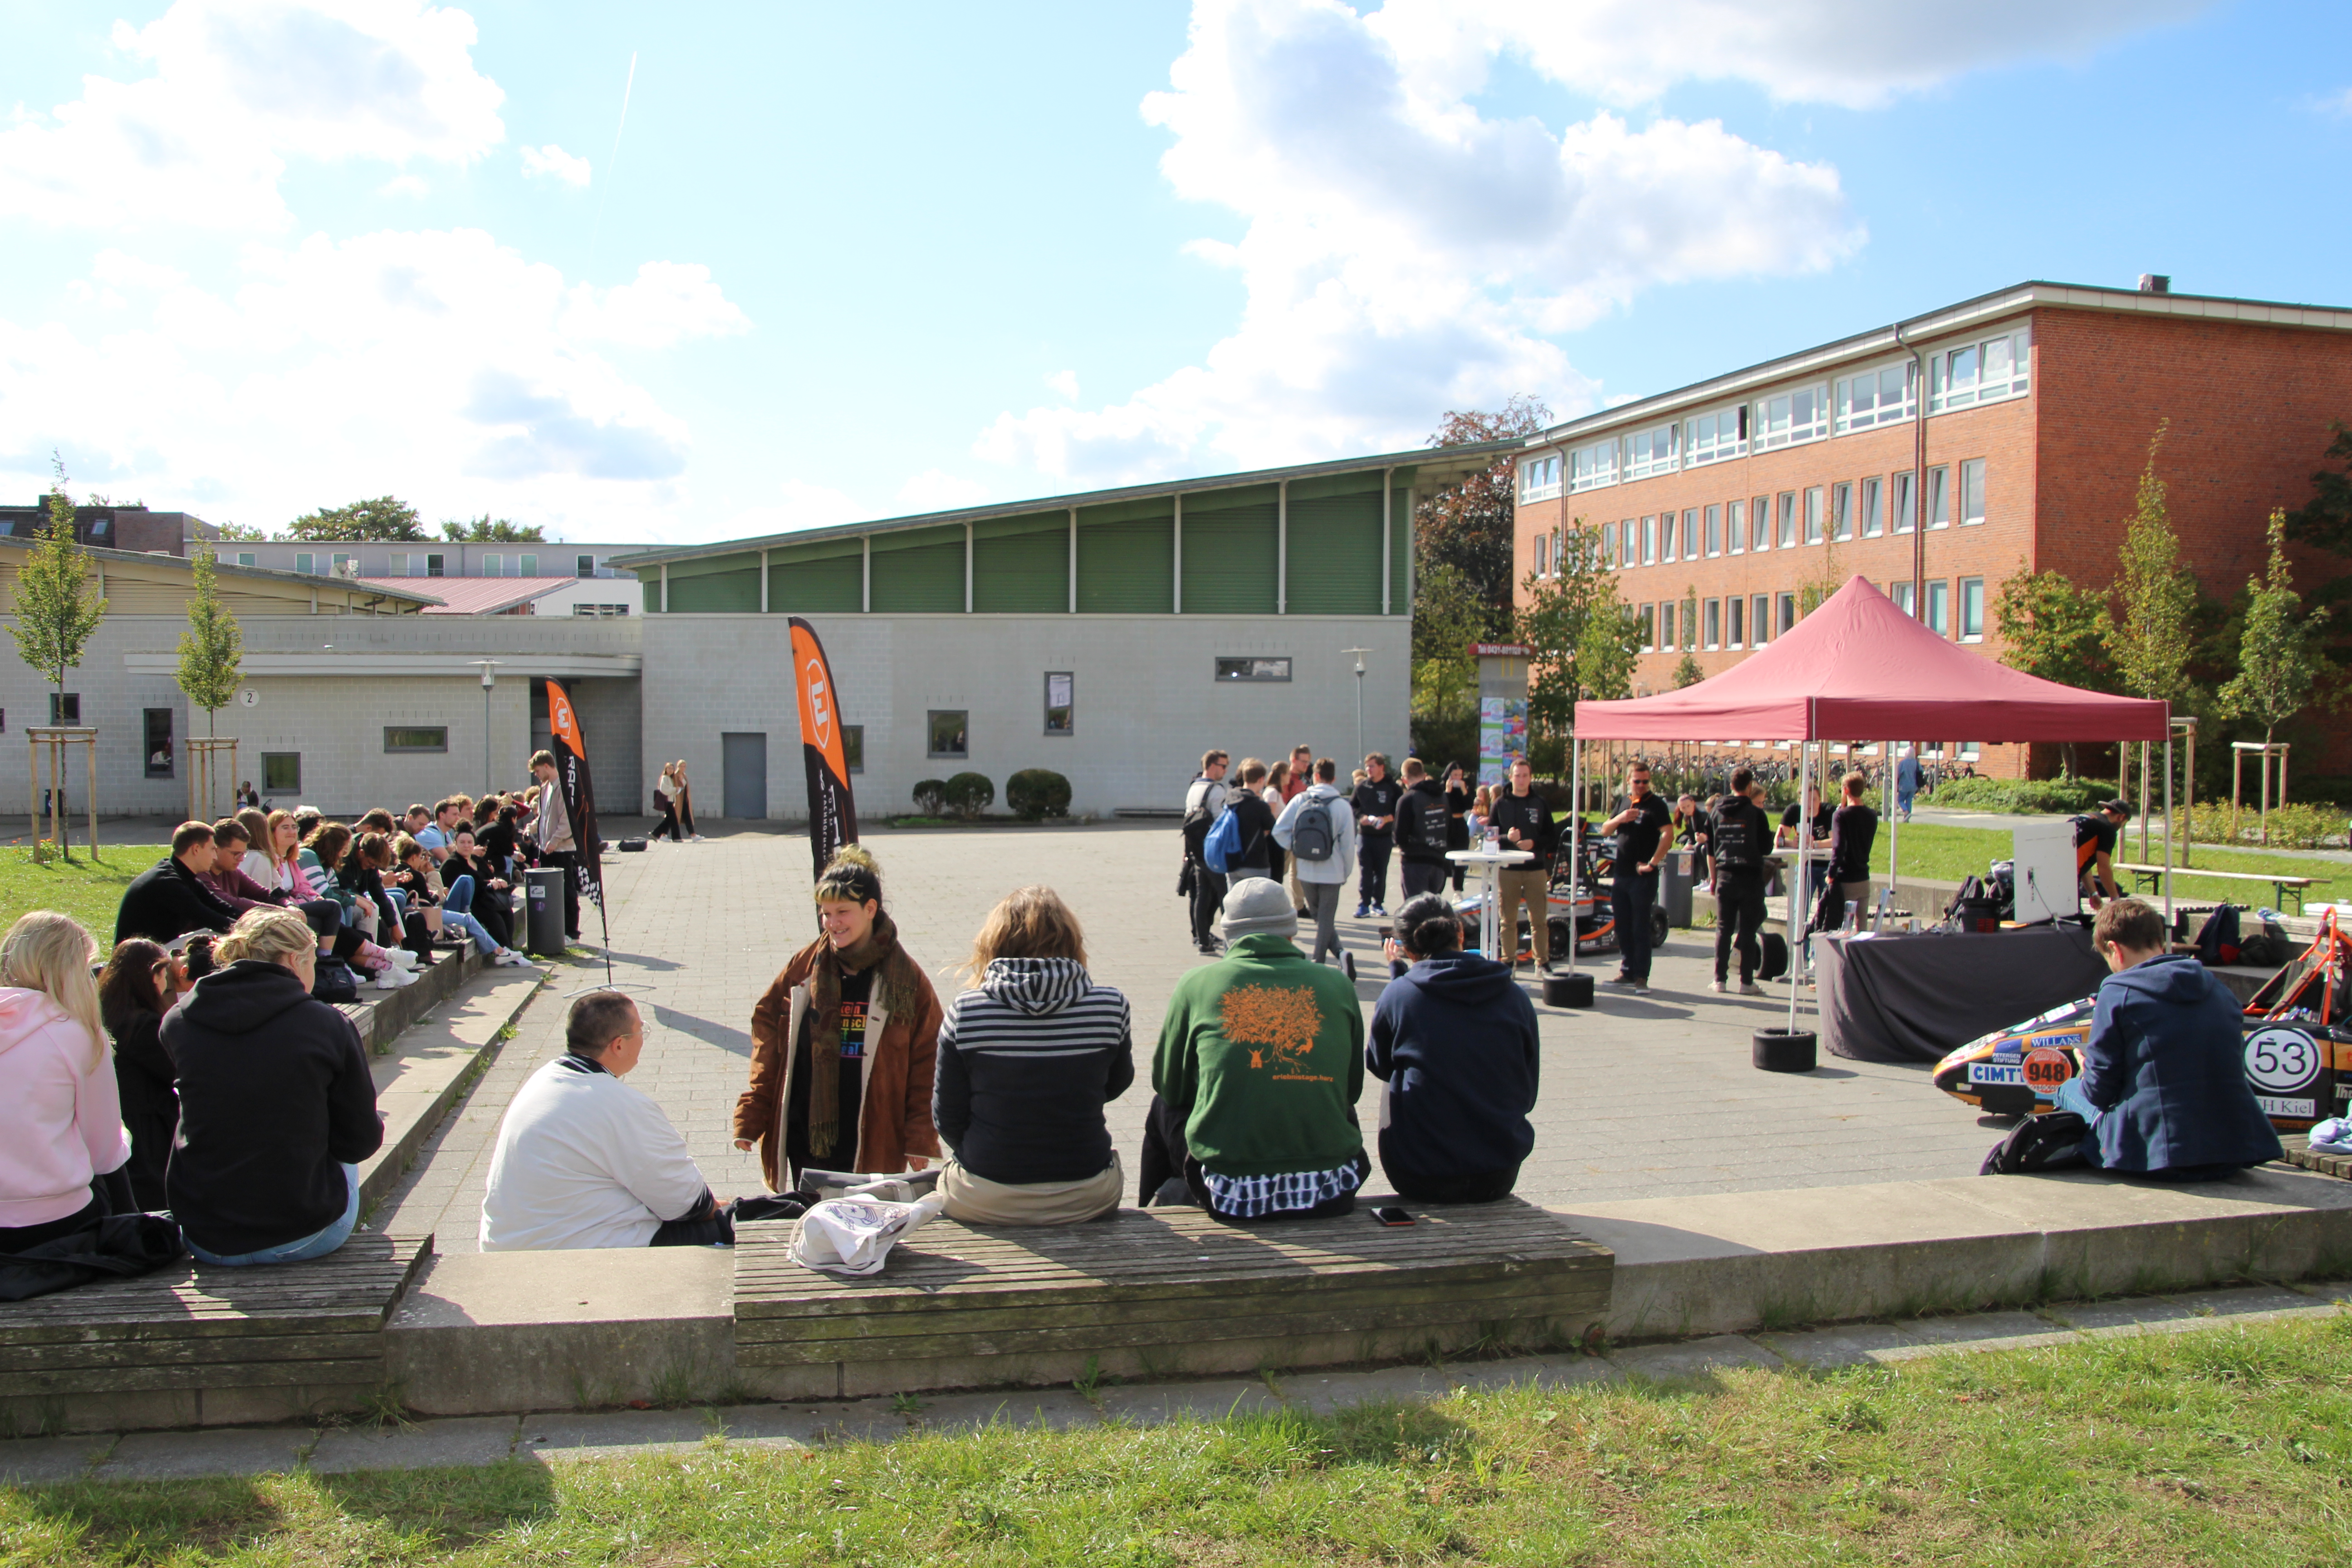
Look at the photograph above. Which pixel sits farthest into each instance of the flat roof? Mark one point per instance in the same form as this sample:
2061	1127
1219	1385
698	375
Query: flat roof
478	596
1983	309
306	580
1444	464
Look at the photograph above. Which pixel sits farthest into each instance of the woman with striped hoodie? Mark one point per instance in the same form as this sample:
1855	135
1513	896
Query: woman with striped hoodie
1026	1063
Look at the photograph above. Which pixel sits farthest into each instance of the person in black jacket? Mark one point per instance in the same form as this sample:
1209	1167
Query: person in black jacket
1738	832
169	898
1422	830
1520	820
276	1107
1454	1040
1025	1065
1375	806
140	982
1457	817
1248	809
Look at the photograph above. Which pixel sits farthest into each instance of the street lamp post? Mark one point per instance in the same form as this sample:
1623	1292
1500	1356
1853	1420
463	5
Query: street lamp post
489	679
1360	653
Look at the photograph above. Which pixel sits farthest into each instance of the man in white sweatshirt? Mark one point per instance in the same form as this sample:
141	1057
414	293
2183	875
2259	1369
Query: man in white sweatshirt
1317	830
584	1160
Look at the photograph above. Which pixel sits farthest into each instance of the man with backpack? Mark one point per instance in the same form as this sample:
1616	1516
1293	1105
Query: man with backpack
1420	830
1205	802
1375	806
1249	822
1318	829
1737	834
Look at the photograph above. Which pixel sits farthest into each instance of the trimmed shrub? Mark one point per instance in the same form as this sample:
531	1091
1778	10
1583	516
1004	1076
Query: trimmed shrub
2294	826
930	798
969	795
2065	796
1036	794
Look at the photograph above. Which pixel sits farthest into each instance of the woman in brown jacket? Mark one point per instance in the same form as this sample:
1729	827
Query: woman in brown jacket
863	1102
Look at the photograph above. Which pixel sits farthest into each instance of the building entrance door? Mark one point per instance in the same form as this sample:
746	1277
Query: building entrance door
744	784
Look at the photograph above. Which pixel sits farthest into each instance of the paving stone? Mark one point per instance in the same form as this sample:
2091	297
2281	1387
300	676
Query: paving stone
2327	1289
1844	1344
607	1434
1692	1358
464	1440
1324	1391
1985	1332
34	1461
2123	1314
222	1451
2245	1301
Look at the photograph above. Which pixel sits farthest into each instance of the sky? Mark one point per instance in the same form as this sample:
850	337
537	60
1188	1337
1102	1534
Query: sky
689	273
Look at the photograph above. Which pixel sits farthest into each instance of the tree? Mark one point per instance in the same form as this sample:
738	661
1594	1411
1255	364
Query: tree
2279	659
2051	628
213	648
2325	519
244	533
1468	525
1688	673
385	516
1448	616
2152	640
56	609
484	530
1585	638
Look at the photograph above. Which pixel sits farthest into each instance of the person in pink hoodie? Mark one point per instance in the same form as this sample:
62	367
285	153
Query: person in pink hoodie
61	1135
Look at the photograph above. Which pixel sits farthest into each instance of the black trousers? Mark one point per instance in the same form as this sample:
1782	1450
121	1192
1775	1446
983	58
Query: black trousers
1484	1187
1738	916
1631	896
1372	866
570	862
1208	899
668	824
1423	876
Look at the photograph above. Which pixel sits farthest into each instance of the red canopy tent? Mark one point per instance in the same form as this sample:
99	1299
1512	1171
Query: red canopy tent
1860	669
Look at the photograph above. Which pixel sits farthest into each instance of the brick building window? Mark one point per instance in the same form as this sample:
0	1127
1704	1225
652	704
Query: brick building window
1666	625
1609	545
1714	624
1972	609
1648	614
1872	523
1906	511
1591	467
1841	512
1759	523
1787	519
1813	515
1690	533
1712	438
1984	372
1714	531
1940	608
1543	554
1627	555
1901	594
1737	630
1788	612
1792	417
1539	478
1972	491
1650	452
1759	618
1649	540
1939	497
1735	526
1883	396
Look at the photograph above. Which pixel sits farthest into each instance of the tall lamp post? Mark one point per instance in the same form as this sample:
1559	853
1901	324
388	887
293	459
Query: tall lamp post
1360	653
490	680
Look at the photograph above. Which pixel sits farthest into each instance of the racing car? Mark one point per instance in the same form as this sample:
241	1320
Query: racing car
2298	1046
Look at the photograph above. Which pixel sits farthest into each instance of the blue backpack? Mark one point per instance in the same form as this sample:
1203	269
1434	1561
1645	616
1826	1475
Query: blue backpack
1224	843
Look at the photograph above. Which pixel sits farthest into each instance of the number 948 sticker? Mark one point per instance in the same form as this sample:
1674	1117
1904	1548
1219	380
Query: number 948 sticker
2282	1060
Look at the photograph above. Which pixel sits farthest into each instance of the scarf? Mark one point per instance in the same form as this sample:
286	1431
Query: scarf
894	989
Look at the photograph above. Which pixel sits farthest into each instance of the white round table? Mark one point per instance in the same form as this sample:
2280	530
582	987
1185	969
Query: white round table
1490	906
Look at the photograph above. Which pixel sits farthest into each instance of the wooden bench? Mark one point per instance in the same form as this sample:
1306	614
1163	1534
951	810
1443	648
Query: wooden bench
1156	1292
2151	879
218	1344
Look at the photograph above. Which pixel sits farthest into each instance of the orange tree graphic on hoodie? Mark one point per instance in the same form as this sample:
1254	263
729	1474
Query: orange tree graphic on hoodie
1275	1022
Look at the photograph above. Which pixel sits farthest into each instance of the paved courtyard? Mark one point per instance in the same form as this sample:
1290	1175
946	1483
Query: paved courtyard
1642	1097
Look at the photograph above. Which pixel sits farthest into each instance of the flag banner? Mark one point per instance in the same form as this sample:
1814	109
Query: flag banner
579	793
833	815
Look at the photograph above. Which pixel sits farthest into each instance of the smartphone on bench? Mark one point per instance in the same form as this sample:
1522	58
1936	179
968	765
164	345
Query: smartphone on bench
1390	1215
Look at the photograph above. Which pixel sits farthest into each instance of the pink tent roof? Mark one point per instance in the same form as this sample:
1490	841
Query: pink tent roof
1858	669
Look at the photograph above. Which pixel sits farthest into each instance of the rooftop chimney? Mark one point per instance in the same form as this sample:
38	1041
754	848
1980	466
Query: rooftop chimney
2156	283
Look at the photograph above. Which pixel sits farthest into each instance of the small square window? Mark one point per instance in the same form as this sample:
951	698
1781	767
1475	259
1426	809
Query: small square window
583	565
304	561
65	707
949	732
1251	669
408	738
1061	704
494	565
400	563
282	772
245	557
528	566
853	747
159	743
1972	491
435	565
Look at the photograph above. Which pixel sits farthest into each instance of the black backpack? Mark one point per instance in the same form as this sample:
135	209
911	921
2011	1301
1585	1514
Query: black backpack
1311	838
2042	1142
1196	824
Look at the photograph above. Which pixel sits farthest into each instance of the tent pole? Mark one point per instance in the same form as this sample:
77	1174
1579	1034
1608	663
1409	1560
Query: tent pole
1886	797
1575	840
1797	881
2168	831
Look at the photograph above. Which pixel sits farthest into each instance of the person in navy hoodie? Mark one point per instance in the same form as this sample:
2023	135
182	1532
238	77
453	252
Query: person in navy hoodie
2164	1075
1452	1040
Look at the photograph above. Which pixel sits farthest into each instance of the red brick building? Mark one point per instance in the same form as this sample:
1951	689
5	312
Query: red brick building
2040	401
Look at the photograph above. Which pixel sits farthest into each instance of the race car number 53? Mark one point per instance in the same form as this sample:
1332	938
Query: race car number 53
2280	1061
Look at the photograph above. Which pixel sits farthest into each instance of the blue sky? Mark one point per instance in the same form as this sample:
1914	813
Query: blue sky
258	256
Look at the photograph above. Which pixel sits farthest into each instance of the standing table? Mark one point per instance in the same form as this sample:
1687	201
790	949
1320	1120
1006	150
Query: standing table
1490	903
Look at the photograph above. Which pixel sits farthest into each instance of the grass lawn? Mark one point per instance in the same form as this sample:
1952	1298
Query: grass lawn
1937	852
2221	1446
85	889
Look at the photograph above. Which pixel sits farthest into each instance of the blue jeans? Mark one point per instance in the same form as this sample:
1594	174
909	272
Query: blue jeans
457	909
2070	1097
316	1245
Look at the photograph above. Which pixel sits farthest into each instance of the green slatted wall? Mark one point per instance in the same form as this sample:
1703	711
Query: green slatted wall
651	582
1400	554
715	584
920	570
1126	559
1334	554
817	579
1229	545
1021	565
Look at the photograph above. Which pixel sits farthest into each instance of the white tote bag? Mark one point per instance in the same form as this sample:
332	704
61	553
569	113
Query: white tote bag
852	1236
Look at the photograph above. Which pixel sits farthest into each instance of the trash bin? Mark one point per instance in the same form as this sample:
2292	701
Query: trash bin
543	911
1674	886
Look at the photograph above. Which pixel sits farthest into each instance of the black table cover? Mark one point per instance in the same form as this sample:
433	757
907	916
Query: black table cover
1912	998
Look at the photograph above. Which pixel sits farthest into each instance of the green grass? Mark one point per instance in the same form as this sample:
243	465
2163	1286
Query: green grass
1939	853
2222	1446
88	889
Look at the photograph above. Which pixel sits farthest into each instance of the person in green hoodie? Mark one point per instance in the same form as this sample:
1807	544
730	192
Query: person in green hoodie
1260	1063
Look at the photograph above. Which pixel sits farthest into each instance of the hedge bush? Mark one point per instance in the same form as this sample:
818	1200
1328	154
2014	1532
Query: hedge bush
930	797
2062	795
969	795
2294	826
1036	794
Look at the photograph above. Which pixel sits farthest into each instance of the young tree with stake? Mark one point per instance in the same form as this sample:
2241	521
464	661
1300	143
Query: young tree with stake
211	651
56	610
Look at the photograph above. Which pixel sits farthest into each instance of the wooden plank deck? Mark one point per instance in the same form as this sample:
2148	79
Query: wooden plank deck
1167	1290
191	1326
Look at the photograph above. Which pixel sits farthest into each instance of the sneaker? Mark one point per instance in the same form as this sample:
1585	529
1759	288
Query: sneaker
1363	911
1717	986
1640	990
401	956
394	979
1750	988
509	958
1380	911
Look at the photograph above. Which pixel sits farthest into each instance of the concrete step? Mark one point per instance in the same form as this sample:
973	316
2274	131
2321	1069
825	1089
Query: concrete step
425	1074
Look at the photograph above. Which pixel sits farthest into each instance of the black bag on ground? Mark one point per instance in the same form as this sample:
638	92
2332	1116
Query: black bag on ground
115	1247
2044	1142
335	981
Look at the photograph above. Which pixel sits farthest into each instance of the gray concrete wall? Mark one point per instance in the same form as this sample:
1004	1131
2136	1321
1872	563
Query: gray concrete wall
1147	703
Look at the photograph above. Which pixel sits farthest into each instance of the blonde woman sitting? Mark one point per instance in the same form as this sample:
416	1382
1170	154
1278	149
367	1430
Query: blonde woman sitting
62	1136
1026	1063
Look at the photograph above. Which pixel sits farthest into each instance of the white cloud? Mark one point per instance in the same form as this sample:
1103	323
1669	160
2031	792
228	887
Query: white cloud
408	185
1066	382
238	87
437	365
553	162
935	491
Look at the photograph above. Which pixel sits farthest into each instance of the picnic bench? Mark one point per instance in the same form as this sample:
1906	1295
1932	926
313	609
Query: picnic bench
2151	879
1158	1292
211	1345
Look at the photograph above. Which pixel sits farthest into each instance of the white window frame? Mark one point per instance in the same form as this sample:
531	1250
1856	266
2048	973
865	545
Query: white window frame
494	565
1872	493
1652	451
1900	591
1841	525
1939	496
1972	615
1784	527
1714	530
245	557
1690	533
1725	436
1759	523
1649	617
1786	615
1591	467
306	563
1735	621
1776	422
1939	606
1760	626
1816	515
1972	492
1670	537
1629	544
1903	506
1543	554
527	565
1714	624
1539	478
1947	392
1735	527
1650	539
1881	411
